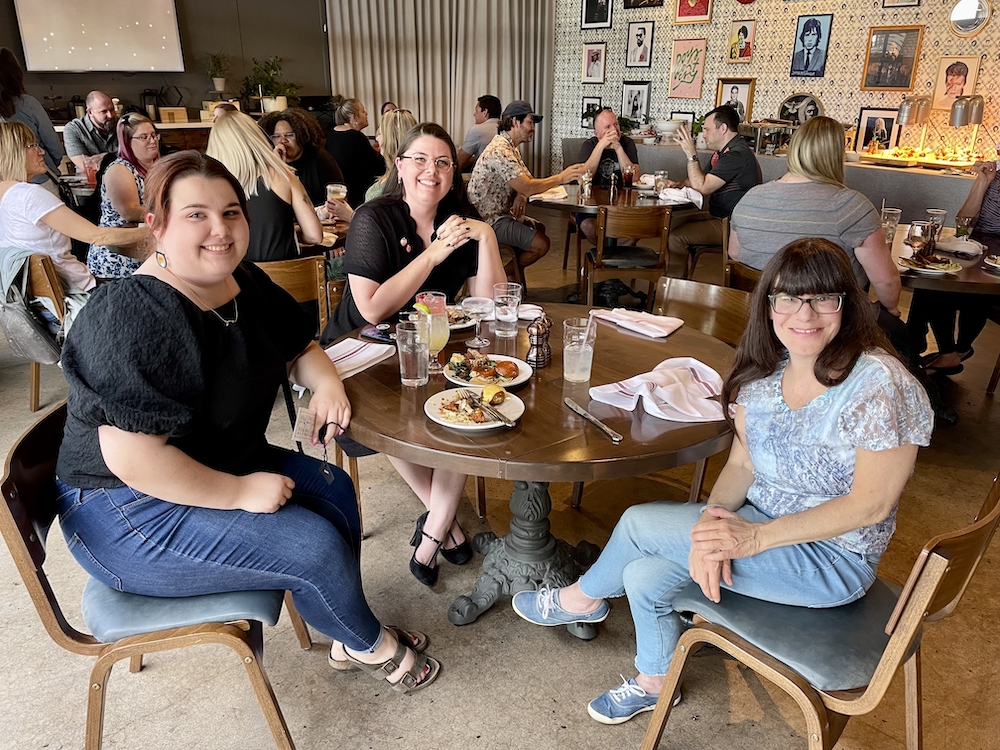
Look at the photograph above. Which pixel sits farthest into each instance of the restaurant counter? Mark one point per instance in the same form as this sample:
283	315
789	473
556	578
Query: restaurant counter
180	135
913	190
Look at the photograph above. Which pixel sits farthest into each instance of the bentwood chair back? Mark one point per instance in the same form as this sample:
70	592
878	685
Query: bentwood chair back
123	626
696	251
738	276
715	310
838	662
303	278
627	222
43	281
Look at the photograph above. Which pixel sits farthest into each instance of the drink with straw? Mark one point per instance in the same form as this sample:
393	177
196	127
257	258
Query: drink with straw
434	304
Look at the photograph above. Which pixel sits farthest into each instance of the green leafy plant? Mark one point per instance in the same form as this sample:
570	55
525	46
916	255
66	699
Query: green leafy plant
219	64
627	124
266	79
697	125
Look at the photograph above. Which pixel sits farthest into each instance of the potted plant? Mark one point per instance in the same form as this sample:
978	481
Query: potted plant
218	67
267	82
627	125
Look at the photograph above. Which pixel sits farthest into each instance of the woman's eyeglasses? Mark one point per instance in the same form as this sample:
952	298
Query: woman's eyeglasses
441	164
36	147
147	138
279	137
824	304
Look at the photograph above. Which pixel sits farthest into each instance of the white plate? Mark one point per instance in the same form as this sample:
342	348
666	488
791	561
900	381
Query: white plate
928	271
459	326
524	372
645	188
512	408
992	263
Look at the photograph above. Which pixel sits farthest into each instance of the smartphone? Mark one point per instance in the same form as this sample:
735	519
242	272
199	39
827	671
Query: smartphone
382	332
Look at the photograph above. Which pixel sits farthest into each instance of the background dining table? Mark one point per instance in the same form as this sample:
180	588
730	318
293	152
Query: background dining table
575	202
976	277
550	443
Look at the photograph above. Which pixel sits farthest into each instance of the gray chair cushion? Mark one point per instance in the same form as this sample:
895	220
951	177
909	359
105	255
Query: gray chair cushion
111	614
626	257
836	648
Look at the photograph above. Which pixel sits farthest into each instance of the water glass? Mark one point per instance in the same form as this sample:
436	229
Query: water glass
506	299
937	216
963	226
890	220
412	337
586	180
660	178
579	335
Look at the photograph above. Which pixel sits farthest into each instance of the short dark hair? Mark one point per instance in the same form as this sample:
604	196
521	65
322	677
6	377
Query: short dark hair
162	176
957	69
490	105
508	122
726	115
811	24
807	266
743	32
298	121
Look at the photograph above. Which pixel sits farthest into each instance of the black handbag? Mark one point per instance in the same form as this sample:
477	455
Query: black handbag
28	336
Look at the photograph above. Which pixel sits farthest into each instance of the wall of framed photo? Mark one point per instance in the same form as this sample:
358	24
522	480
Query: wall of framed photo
766	40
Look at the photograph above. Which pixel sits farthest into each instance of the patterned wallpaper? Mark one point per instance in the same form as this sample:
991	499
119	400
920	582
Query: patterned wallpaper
839	90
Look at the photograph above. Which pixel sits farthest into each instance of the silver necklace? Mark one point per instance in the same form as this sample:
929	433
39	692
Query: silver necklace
226	321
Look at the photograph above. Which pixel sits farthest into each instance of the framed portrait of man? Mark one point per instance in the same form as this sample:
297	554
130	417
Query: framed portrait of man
741	39
692	11
595	14
590	106
738	94
639	52
880	125
812	39
956	77
891	60
594	62
635	100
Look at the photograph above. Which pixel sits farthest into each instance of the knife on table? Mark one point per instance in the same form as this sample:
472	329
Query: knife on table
615	437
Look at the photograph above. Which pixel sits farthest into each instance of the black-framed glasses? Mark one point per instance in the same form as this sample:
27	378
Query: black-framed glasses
824	304
441	164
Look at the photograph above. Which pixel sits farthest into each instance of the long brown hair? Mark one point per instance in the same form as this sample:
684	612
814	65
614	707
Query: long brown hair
11	82
807	266
169	169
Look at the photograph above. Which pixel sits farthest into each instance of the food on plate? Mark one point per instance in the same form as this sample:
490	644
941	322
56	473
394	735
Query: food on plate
930	263
458	318
494	395
993	260
463	410
477	368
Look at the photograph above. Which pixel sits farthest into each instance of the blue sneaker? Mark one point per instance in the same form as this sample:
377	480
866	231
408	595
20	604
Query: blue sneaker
622	703
542	608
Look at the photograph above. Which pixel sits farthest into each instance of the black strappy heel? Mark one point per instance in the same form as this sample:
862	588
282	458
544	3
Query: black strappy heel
460	554
423	573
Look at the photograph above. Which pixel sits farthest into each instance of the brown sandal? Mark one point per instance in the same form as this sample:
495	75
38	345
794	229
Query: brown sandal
413	638
413	679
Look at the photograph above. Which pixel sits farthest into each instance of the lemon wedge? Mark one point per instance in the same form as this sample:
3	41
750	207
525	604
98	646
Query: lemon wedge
422	308
494	395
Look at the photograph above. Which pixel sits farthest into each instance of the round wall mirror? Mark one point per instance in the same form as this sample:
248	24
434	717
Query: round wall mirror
969	17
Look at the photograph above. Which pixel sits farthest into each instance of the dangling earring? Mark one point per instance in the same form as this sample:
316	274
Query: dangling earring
161	259
399	180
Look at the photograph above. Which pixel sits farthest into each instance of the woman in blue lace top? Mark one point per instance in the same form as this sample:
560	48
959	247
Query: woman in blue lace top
827	422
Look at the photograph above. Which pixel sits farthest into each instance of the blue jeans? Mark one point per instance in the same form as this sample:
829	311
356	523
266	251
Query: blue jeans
647	559
311	546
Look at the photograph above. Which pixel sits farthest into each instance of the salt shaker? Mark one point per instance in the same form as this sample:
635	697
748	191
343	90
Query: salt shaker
539	351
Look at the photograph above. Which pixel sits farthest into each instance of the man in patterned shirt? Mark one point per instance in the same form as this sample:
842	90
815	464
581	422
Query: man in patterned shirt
501	184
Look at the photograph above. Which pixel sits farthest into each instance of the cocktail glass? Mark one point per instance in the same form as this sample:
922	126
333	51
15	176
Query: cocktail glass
477	308
436	303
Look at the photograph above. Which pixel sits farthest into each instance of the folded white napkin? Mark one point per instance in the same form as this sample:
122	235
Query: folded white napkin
678	389
962	246
528	311
682	195
557	193
647	179
351	356
655	326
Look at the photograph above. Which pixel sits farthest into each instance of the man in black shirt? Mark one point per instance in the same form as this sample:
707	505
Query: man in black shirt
733	171
604	155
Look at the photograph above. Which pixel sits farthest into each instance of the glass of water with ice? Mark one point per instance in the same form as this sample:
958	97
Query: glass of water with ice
506	299
579	335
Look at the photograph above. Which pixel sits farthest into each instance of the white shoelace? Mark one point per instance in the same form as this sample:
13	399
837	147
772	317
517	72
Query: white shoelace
626	690
547	601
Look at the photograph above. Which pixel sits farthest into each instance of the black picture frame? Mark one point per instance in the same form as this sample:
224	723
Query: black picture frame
811	62
635	100
867	121
629	4
590	104
595	14
640	55
687	117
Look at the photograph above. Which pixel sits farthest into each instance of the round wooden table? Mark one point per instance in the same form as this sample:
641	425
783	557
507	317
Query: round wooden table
549	444
575	203
974	278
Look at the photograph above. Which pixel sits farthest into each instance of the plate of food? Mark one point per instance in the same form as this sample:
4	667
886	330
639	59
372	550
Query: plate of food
476	368
993	261
449	409
458	320
933	265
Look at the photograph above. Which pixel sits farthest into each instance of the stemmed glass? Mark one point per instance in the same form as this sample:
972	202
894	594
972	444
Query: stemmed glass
436	303
477	308
918	236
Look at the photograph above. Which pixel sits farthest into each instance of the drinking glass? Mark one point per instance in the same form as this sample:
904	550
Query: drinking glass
506	299
477	308
579	335
918	236
937	216
437	303
336	191
586	180
628	174
890	220
411	344
963	226
660	180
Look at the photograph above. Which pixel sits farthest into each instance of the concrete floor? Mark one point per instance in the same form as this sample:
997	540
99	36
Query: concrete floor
505	684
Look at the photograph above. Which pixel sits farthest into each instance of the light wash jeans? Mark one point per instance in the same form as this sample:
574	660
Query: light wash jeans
311	546
647	560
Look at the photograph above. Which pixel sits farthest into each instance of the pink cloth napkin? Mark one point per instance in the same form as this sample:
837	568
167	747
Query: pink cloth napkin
351	356
679	389
655	326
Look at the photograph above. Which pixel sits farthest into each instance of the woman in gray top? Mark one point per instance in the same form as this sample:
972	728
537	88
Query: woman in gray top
811	200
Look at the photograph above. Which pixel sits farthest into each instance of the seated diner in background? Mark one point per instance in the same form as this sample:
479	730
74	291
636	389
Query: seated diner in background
486	115
90	138
417	237
395	125
167	486
276	199
605	155
294	143
811	200
358	159
501	185
122	196
17	105
827	422
733	170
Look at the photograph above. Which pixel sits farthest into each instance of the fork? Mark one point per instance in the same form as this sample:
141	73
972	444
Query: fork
477	400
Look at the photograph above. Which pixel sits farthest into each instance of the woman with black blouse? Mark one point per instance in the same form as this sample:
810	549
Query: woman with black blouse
418	237
358	160
167	486
292	135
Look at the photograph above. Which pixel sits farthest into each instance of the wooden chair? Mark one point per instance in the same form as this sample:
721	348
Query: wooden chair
571	229
738	276
634	262
125	626
838	662
696	251
304	279
43	281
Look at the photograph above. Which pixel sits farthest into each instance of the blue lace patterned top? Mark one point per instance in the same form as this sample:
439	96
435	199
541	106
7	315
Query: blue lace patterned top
803	458
103	262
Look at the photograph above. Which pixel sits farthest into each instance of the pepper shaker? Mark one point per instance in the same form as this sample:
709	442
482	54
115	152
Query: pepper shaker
539	351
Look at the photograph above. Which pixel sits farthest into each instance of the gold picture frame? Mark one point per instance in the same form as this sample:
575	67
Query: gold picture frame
891	58
743	97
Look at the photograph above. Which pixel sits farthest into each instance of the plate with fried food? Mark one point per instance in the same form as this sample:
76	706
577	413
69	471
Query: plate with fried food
932	265
460	412
993	261
458	320
476	368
